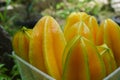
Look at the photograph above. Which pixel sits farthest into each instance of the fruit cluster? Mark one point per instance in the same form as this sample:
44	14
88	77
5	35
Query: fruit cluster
83	51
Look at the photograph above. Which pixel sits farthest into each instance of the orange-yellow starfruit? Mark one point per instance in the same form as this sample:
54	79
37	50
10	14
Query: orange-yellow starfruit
20	43
46	47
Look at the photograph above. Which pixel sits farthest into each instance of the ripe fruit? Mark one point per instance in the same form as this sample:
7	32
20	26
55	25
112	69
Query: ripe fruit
108	58
96	64
93	26
76	54
75	62
78	28
100	35
46	47
20	42
112	38
73	18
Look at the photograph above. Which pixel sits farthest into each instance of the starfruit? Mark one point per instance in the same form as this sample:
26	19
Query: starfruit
72	60
46	47
100	35
96	64
78	28
93	26
108	58
112	38
75	17
20	43
75	61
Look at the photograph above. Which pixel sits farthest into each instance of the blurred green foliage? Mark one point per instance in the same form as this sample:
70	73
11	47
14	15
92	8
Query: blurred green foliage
4	73
61	10
6	20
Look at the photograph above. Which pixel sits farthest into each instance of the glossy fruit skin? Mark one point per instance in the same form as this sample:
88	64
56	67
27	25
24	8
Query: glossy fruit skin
20	43
46	47
78	28
73	18
96	64
94	27
112	38
108	58
81	49
100	35
75	61
88	30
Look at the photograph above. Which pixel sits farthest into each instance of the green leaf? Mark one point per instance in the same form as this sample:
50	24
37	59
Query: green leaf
1	65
